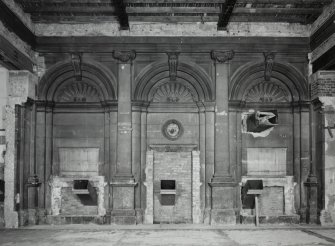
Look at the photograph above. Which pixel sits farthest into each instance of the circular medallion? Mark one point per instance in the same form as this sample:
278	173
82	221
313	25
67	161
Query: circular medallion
172	129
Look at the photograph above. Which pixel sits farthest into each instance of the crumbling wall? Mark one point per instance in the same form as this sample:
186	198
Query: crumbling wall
323	88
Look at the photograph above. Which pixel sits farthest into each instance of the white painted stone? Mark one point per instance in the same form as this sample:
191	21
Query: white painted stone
148	183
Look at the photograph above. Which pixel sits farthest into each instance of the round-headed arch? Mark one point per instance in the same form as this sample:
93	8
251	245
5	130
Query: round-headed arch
92	72
189	74
283	75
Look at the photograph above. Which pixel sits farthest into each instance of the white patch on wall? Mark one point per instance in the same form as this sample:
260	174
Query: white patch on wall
266	161
79	161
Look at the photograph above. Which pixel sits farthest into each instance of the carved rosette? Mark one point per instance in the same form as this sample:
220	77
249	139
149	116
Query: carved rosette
172	129
124	56
266	92
173	65
222	56
78	92
268	62
172	93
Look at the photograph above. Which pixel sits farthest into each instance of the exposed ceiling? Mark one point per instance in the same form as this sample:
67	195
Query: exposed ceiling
220	11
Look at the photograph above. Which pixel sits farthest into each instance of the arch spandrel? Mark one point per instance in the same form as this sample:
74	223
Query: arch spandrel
284	76
189	75
62	75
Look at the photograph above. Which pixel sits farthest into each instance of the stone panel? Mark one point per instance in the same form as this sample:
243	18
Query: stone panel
271	201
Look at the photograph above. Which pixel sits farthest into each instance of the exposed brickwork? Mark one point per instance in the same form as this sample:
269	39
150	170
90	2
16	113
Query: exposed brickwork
173	166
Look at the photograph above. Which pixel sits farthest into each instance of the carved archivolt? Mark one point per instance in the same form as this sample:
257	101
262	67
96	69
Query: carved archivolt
78	92
172	92
266	92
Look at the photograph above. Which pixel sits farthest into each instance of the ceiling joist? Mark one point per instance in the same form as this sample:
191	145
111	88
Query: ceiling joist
226	11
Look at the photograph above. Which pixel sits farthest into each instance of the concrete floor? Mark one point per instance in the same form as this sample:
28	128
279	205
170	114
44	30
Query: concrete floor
94	235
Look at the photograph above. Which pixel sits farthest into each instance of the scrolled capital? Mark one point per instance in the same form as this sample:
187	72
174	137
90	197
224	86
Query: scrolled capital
124	56
222	56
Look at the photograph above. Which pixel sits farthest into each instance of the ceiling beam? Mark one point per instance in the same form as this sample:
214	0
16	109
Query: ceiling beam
290	11
139	10
68	9
15	24
121	12
226	11
281	2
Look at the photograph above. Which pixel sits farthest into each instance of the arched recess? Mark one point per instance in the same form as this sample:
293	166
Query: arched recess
189	74
95	76
284	76
274	115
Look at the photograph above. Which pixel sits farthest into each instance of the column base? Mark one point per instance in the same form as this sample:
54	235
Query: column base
123	210
223	217
312	206
123	217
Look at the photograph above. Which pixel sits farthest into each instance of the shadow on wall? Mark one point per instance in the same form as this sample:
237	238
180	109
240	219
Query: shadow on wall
2	198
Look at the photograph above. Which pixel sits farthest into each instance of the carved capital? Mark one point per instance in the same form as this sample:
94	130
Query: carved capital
124	56
76	64
268	62
222	56
173	65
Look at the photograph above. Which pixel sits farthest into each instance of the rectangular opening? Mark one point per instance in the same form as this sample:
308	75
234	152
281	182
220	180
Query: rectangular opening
168	184
80	184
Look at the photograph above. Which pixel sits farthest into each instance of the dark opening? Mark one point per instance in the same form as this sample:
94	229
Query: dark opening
2	191
80	184
168	184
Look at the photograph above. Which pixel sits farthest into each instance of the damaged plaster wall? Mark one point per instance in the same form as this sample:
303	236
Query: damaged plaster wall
174	29
328	215
21	85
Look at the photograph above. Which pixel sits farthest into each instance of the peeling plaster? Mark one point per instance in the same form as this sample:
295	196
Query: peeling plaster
223	113
174	29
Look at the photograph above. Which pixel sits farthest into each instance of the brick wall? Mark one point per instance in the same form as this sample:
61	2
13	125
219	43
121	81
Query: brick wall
173	166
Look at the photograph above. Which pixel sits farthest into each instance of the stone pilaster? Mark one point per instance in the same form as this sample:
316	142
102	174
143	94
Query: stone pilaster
21	86
123	182
221	165
222	183
323	90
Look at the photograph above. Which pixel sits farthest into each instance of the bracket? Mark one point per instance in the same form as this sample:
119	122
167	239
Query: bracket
329	128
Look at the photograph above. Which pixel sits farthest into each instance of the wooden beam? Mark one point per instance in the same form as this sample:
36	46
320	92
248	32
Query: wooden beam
70	9
281	2
176	1
226	11
12	58
120	8
289	11
139	10
326	61
174	19
15	25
